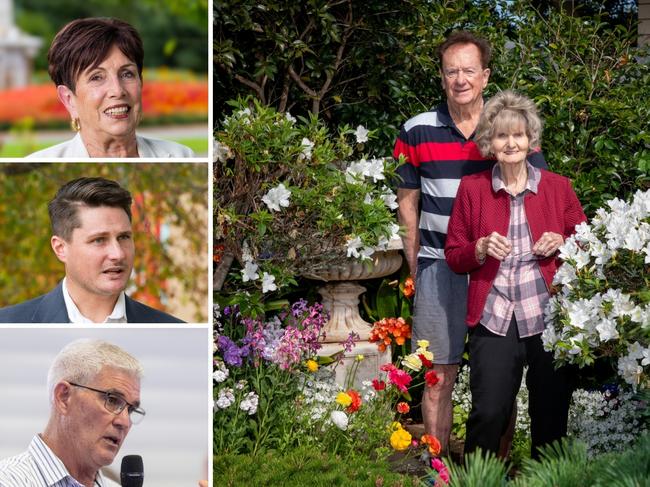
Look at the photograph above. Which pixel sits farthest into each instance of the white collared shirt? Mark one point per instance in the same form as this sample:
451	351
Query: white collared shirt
118	315
40	467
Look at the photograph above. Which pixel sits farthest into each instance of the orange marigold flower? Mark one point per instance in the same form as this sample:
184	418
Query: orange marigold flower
432	444
403	407
408	288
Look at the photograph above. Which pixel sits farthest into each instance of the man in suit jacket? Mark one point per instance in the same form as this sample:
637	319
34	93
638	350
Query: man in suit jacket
92	236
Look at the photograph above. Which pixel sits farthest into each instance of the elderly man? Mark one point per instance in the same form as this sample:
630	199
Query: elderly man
439	149
92	236
94	391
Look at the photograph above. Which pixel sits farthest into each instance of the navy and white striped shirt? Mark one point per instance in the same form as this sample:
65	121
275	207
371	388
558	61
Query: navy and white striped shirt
437	156
40	467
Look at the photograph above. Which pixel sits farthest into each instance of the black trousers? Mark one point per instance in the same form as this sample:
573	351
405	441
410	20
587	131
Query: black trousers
496	368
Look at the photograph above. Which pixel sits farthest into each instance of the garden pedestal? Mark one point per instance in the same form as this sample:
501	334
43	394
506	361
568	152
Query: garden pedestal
341	301
368	369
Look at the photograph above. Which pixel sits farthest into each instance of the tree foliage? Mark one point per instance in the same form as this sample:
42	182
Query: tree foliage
165	196
375	63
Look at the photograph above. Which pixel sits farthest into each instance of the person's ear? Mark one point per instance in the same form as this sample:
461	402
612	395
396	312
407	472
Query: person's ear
61	396
60	248
486	77
69	100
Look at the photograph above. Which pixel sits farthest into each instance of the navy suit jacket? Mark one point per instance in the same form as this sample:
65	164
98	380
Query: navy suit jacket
50	308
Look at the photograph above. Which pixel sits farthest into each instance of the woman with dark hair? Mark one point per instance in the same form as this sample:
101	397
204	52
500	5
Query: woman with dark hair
96	65
505	229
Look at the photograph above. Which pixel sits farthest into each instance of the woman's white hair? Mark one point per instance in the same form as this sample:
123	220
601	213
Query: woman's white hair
80	361
506	110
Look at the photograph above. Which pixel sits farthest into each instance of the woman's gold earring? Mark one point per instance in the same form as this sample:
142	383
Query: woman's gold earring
74	123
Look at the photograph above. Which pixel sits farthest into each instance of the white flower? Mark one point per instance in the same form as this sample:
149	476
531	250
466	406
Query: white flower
249	403
268	283
376	169
221	374
367	200
277	197
356	171
366	253
249	272
340	419
307	146
361	134
607	330
221	151
394	231
353	246
389	198
244	113
565	275
290	117
226	398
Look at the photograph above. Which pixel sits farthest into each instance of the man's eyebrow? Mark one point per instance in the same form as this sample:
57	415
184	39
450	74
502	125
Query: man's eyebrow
115	392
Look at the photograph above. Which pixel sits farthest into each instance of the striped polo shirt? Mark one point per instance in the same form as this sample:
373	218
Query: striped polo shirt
437	156
40	467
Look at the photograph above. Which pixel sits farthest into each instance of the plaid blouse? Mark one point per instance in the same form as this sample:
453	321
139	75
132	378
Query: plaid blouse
519	286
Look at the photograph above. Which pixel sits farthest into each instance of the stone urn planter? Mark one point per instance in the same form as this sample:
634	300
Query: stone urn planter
341	301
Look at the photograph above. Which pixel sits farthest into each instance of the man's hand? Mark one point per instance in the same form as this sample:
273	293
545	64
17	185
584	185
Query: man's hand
548	244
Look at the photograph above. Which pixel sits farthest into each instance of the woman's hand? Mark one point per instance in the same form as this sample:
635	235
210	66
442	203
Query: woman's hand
548	244
494	245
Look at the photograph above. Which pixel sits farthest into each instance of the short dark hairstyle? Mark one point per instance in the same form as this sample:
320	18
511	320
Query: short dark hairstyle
465	37
85	43
93	192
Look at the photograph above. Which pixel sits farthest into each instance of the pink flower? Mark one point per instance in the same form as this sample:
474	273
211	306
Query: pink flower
439	466
387	367
400	379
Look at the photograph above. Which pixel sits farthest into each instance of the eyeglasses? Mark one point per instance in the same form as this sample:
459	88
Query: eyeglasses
468	72
116	404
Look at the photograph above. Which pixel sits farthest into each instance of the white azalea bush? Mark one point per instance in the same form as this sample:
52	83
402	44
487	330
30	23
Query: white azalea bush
602	309
291	197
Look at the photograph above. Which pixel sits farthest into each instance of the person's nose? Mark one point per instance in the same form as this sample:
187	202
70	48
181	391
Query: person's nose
123	419
461	78
116	87
115	251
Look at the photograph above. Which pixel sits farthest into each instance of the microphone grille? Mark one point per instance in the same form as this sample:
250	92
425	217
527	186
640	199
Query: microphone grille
132	472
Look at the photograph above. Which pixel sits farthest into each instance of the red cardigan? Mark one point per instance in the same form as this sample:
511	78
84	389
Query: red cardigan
479	211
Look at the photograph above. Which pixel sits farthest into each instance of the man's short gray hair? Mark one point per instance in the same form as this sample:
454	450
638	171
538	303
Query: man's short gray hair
80	361
504	110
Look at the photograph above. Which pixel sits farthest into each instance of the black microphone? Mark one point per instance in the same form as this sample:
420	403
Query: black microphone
132	473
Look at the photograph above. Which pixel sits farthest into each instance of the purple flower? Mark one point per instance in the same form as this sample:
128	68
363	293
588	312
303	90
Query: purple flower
232	354
350	341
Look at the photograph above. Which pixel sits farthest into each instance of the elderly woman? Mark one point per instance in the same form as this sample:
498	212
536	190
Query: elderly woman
96	65
505	229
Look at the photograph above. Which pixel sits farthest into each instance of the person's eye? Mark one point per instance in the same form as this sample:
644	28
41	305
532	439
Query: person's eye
98	240
95	77
128	74
124	237
114	401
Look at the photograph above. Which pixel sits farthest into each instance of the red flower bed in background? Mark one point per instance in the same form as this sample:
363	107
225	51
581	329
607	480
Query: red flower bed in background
160	99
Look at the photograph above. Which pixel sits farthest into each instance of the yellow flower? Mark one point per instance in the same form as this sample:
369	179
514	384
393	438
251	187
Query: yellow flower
359	358
423	343
425	353
412	361
312	365
400	439
343	399
395	425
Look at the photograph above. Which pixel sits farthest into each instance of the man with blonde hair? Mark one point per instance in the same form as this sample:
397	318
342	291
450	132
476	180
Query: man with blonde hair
94	393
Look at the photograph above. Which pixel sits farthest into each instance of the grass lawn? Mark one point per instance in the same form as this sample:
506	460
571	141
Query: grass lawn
198	144
306	467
